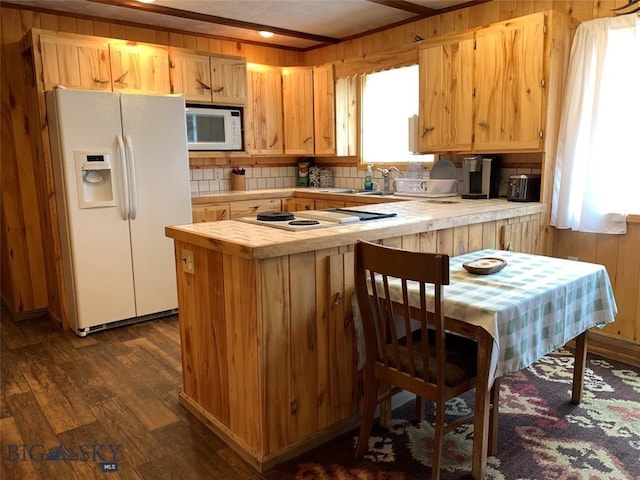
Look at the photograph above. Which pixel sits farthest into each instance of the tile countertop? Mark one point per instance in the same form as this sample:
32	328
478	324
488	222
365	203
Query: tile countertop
414	216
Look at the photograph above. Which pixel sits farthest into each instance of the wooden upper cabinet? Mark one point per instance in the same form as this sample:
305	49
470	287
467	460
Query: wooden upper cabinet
510	85
493	77
446	107
263	117
228	79
139	68
297	100
74	62
324	107
190	75
219	79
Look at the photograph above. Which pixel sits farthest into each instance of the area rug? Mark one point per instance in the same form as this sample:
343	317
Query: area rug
541	434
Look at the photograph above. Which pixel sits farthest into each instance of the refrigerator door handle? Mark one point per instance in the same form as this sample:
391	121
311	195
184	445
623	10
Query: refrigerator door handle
133	186
125	180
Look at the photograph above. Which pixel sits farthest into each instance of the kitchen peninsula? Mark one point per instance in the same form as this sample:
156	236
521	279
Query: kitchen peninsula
268	348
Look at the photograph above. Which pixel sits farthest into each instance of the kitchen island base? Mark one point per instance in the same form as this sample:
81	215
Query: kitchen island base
268	343
260	462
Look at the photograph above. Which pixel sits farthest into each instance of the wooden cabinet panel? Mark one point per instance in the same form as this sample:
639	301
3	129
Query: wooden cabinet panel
211	212
296	204
228	80
139	68
324	107
322	204
75	63
264	110
446	107
297	100
509	90
191	75
246	208
346	115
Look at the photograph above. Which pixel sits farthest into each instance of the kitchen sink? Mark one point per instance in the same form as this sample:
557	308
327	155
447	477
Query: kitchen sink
369	192
355	191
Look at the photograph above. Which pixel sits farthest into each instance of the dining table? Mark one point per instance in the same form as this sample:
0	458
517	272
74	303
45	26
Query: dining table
530	307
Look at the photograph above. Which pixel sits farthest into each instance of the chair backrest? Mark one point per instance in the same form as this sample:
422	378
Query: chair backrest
396	287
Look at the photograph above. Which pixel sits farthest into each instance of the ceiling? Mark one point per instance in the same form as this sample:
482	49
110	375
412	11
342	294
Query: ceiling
296	24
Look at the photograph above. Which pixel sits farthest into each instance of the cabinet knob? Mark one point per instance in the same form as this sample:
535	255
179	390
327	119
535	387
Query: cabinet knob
218	89
427	130
337	298
202	84
121	78
483	124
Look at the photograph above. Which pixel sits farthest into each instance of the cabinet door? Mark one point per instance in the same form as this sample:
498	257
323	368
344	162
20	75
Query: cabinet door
75	63
139	68
509	90
191	76
298	204
247	208
228	80
323	204
211	212
297	100
324	108
264	110
446	97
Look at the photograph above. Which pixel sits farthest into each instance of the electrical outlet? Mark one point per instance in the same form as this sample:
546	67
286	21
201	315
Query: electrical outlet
187	261
217	174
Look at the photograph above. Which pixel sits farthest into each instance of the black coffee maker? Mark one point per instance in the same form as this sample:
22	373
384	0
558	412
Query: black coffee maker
480	177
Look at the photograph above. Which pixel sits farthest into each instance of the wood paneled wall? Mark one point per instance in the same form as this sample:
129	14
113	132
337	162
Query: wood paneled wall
27	266
456	21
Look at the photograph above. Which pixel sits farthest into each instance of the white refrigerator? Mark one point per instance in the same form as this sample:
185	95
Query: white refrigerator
121	173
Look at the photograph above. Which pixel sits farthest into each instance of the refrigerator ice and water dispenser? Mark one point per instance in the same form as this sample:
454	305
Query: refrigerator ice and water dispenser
95	179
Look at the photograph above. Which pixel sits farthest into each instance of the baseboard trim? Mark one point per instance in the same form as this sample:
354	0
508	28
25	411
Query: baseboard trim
614	348
263	462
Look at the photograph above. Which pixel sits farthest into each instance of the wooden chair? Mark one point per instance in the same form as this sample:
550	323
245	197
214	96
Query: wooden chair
427	361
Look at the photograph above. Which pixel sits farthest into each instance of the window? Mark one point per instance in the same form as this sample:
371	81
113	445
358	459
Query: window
389	98
597	161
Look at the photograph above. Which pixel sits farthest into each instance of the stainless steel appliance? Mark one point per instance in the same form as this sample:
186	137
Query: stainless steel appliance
524	188
480	177
214	128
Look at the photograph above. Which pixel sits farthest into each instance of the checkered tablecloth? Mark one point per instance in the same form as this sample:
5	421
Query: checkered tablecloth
533	306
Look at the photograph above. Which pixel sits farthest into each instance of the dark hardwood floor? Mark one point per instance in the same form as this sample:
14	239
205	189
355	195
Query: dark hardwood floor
109	397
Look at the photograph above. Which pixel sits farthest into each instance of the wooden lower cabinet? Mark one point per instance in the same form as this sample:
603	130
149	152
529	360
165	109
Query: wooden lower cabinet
298	204
246	208
324	204
210	212
268	344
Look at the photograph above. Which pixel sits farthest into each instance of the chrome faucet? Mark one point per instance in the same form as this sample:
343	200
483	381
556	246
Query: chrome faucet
385	180
397	170
386	183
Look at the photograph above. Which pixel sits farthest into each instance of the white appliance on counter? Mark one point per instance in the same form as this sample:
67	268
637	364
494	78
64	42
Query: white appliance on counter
121	172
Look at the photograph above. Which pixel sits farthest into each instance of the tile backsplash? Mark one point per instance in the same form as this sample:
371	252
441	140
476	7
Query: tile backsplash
211	180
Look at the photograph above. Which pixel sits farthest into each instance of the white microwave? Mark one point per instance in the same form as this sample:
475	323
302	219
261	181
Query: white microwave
214	128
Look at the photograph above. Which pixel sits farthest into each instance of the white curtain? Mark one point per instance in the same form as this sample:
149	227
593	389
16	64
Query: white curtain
597	173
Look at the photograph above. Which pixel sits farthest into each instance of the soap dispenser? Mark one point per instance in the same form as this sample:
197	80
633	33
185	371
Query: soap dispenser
368	178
